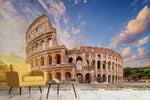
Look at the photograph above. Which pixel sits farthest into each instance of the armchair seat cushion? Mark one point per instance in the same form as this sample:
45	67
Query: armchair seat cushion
32	78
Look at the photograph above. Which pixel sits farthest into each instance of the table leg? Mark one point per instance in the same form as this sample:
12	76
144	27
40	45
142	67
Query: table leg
58	89
48	90
74	90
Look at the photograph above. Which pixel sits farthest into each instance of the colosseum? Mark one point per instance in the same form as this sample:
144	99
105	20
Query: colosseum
84	64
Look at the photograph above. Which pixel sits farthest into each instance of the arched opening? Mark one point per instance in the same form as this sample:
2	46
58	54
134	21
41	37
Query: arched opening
93	63
98	65
109	79
88	78
104	64
80	77
116	79
49	60
99	78
50	42
67	76
36	62
58	76
42	61
113	79
109	65
104	78
58	59
43	44
70	60
79	60
49	77
98	56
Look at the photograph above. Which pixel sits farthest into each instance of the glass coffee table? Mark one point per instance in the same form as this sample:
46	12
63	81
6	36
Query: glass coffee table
60	83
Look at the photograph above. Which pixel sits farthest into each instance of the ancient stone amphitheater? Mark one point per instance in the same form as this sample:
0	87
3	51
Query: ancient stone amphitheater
84	64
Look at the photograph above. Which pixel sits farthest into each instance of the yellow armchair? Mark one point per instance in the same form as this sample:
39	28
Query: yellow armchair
22	76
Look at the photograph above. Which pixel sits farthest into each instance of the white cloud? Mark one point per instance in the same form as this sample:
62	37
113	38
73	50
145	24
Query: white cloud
141	42
133	30
8	5
126	51
134	58
57	10
12	28
141	50
75	31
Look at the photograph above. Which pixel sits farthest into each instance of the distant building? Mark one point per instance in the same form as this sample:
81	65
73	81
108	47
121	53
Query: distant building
85	64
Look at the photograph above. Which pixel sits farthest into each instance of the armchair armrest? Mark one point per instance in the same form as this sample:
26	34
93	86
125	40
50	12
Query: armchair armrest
13	78
40	73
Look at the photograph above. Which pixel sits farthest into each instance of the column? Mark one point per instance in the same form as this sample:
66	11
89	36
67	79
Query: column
53	59
95	74
62	75
62	56
53	74
46	43
84	62
45	61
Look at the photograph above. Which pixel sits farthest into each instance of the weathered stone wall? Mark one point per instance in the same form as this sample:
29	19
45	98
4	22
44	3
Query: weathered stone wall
85	64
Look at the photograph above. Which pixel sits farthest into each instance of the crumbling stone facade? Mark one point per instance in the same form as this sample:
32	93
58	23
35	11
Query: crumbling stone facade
85	64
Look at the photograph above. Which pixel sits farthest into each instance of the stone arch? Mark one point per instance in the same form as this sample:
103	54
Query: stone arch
109	79
58	76
79	60
49	59
98	64
36	46
88	78
98	56
70	60
104	78
99	78
113	66
49	77
42	44
116	79
104	64
109	65
58	59
80	77
67	76
113	79
42	61
49	42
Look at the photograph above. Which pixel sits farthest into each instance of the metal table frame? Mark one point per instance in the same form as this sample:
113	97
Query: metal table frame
50	83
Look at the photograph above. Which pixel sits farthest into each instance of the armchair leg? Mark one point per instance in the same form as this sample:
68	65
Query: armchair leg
29	89
10	89
20	90
40	89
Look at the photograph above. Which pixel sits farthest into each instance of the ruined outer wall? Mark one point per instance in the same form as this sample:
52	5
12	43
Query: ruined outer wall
44	53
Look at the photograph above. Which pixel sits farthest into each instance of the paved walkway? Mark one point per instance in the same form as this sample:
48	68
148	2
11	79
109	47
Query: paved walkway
83	94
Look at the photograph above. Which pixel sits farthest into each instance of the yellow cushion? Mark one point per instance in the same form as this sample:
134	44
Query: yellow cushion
24	69
32	78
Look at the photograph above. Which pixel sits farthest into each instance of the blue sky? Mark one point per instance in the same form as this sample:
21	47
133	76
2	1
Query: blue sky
121	25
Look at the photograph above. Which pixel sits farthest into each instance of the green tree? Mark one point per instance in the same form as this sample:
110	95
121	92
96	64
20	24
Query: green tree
126	72
146	72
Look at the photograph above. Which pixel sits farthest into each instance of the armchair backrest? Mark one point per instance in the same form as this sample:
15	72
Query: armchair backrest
24	69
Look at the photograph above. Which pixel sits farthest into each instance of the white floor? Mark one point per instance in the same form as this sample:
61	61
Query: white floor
82	94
